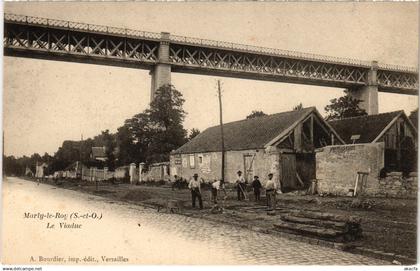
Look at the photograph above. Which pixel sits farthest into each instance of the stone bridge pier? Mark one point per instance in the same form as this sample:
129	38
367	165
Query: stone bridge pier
368	94
161	72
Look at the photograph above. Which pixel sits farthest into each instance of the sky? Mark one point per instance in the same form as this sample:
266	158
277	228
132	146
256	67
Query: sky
47	102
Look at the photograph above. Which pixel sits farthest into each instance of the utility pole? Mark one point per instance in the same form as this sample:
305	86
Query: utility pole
221	129
79	164
3	171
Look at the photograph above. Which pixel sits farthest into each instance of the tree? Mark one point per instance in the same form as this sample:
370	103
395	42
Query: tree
11	166
17	166
148	137
109	143
151	136
46	158
134	139
67	154
298	107
125	146
166	116
86	149
344	107
36	158
193	133
256	114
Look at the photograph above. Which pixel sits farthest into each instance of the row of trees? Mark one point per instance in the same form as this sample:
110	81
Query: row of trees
17	166
339	108
148	136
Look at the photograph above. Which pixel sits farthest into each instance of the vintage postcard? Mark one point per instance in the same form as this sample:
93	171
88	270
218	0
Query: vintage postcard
210	133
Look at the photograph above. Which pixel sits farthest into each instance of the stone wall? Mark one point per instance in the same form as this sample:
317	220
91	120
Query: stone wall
121	172
94	174
395	185
337	167
157	172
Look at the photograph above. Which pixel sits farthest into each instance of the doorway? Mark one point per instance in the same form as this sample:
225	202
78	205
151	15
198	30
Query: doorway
288	172
249	167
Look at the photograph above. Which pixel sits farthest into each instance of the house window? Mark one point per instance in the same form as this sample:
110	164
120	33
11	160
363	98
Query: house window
200	159
178	160
184	162
192	161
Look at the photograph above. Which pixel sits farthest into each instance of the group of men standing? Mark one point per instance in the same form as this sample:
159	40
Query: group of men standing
270	187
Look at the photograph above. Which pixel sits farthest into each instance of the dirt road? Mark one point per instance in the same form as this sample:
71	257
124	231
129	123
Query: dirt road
48	225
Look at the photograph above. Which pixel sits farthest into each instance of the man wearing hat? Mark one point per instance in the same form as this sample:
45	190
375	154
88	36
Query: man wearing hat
271	188
241	185
256	185
195	187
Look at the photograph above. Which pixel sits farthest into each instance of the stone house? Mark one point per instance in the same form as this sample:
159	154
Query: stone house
29	172
40	170
394	129
98	153
283	144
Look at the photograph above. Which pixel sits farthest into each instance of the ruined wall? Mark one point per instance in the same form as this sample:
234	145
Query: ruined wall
208	165
337	166
395	185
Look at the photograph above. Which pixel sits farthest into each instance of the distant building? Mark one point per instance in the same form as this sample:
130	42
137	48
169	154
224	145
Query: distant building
98	153
283	144
28	172
40	170
393	128
74	170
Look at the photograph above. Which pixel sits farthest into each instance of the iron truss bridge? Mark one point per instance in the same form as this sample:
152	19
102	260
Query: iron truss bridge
79	42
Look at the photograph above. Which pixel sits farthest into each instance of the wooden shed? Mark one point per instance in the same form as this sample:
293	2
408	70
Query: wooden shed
393	128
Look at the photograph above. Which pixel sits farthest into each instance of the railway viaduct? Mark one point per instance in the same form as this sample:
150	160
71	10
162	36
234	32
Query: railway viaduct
164	53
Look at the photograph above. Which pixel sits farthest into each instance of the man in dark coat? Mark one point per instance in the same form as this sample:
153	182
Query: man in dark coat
256	185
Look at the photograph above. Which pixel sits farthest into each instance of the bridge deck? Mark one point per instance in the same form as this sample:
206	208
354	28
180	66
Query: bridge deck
70	41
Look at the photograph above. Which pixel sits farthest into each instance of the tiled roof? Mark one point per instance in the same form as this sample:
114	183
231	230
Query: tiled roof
98	152
414	117
368	127
244	134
